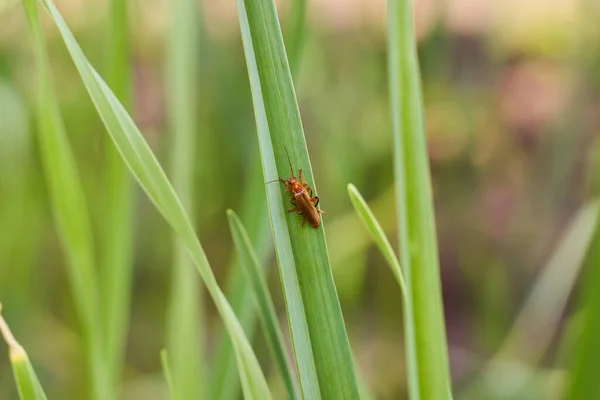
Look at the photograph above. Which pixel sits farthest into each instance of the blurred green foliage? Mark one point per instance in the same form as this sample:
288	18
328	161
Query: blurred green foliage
511	109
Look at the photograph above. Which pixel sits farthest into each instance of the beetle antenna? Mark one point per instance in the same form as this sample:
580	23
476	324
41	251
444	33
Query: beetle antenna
274	180
289	160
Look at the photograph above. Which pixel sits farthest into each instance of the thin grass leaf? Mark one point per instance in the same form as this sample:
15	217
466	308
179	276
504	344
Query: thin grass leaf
27	381
377	233
344	245
116	242
185	313
225	384
164	360
541	314
427	354
264	303
319	337
70	211
147	171
583	380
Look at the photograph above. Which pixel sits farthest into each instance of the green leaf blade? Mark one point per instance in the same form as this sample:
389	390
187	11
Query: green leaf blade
583	377
427	354
185	312
26	379
266	309
116	247
143	164
69	211
318	333
164	360
368	218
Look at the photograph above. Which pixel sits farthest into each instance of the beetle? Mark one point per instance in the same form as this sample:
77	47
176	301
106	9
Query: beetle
303	201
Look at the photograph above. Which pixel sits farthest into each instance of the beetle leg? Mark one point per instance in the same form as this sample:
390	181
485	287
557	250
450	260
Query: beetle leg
315	199
303	220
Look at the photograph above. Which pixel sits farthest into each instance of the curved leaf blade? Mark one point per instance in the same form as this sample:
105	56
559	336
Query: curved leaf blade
143	164
366	215
264	303
27	381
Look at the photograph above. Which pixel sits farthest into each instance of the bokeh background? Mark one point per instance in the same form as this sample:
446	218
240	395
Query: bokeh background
512	108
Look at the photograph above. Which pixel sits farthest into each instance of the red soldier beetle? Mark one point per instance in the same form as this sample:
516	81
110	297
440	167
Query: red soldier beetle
303	201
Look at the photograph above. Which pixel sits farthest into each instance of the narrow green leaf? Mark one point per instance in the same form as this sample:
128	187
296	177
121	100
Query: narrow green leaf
583	377
143	164
427	355
548	298
319	337
225	384
116	263
264	303
70	211
27	381
185	313
372	225
164	360
541	314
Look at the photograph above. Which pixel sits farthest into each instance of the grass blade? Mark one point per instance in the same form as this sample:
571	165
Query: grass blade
143	164
427	354
70	211
264	303
184	333
541	314
225	383
27	381
116	263
372	225
539	318
583	378
164	360
318	332
296	36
